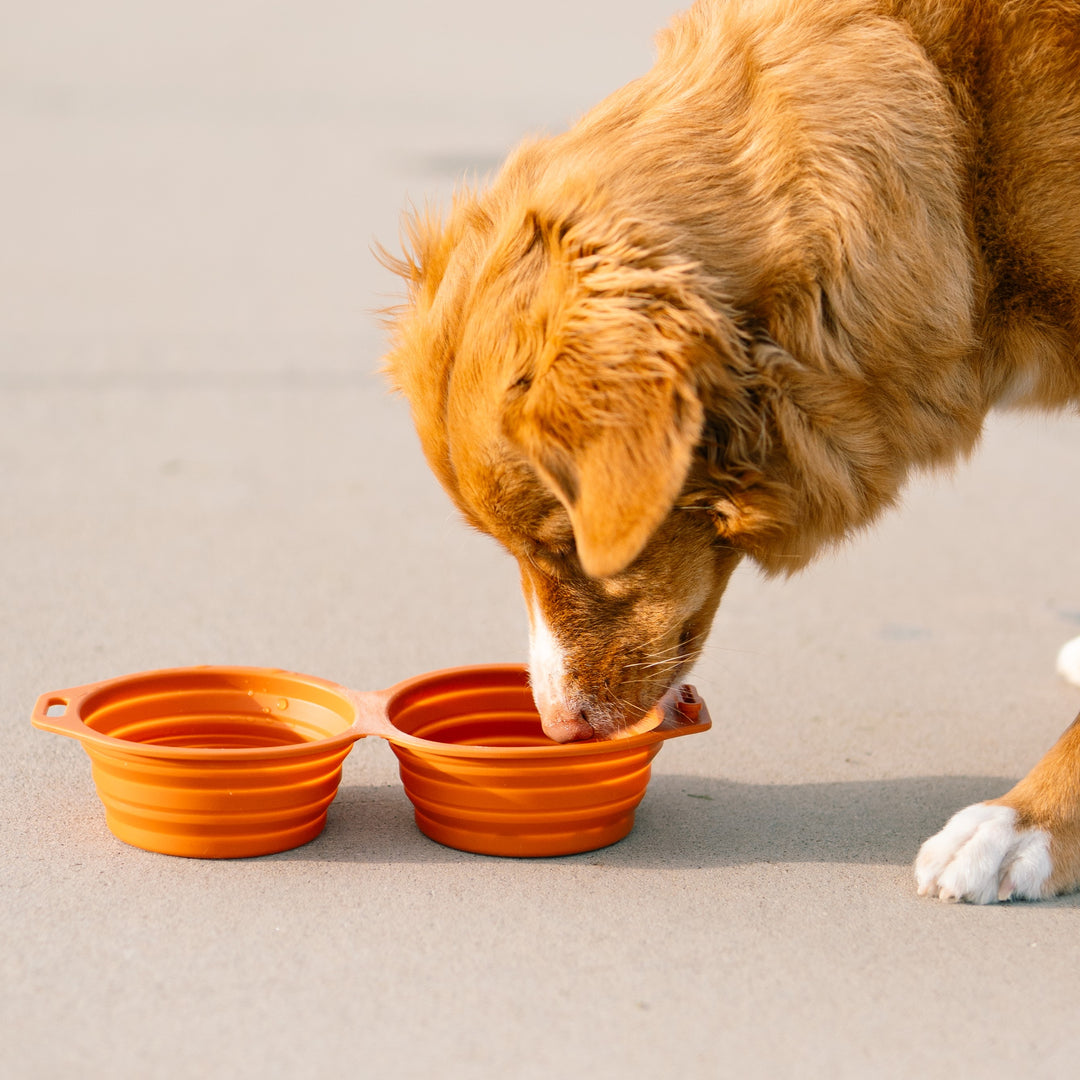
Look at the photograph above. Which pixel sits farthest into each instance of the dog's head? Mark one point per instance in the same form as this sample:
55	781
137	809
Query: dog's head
559	368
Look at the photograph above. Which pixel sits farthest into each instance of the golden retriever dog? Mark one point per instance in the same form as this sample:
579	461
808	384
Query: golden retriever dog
730	311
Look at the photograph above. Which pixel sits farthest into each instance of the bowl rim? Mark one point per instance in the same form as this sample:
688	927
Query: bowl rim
672	727
79	700
370	712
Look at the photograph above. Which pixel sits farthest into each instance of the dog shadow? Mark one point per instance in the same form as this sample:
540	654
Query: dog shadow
696	822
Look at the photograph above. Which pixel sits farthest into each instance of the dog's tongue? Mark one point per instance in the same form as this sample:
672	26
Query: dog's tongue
567	729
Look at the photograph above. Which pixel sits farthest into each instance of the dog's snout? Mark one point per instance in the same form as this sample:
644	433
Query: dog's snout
567	727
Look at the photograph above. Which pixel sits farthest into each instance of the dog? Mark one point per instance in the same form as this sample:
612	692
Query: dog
729	312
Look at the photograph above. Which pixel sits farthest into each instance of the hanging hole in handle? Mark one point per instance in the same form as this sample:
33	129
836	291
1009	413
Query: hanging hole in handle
689	704
56	707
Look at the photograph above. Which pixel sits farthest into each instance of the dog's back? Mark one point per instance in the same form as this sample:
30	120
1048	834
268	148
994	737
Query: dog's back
1013	71
885	191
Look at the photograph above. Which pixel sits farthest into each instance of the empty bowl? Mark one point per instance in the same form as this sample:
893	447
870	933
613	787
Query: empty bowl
223	762
211	762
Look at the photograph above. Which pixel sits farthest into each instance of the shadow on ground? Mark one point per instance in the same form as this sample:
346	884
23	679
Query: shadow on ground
690	821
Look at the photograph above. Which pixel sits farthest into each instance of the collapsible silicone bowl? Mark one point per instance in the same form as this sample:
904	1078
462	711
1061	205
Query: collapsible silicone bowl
224	762
210	762
483	776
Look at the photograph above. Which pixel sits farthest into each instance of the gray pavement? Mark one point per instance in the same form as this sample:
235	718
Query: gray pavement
198	464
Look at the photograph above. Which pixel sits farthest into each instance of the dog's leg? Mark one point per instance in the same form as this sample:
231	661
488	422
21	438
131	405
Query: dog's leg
1023	846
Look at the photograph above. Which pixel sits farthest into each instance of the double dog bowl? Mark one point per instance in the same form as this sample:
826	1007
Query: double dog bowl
227	762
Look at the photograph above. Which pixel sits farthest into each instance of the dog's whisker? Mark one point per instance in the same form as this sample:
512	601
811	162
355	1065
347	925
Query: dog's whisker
674	655
673	662
661	660
635	711
679	645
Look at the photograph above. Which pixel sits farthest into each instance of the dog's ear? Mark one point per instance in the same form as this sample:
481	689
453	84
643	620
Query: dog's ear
428	243
604	407
613	445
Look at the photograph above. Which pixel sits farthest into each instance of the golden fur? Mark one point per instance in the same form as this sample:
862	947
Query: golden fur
732	309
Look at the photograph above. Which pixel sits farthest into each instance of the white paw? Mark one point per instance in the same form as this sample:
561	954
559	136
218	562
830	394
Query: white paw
1068	661
981	856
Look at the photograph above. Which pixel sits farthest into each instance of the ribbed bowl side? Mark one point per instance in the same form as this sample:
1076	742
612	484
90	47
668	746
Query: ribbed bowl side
555	803
215	810
186	798
533	808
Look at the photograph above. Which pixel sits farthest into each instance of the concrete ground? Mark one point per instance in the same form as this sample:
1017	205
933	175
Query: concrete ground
198	464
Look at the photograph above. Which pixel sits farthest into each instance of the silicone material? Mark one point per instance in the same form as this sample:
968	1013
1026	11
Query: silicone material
223	762
483	777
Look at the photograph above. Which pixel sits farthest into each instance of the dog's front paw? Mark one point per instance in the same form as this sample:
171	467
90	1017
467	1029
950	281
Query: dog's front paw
982	856
1068	661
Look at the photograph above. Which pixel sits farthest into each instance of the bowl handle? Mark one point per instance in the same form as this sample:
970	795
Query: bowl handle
371	714
687	715
58	711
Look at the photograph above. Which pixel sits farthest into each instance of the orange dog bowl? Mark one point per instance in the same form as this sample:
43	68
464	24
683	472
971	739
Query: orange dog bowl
223	762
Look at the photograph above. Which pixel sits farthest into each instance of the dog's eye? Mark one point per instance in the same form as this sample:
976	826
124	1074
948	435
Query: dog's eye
553	560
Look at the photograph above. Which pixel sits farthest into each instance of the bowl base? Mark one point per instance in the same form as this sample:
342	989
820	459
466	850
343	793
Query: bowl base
192	846
522	844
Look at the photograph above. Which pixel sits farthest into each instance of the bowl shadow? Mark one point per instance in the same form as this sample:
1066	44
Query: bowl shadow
696	822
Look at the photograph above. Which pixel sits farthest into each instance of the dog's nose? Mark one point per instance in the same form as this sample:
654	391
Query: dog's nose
567	727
